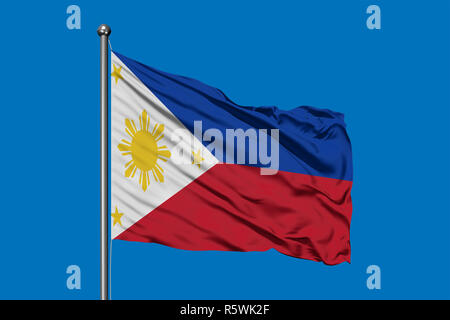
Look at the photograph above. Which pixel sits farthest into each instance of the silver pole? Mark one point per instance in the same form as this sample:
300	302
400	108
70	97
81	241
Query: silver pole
104	31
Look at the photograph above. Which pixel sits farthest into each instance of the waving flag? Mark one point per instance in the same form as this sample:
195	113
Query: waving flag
192	170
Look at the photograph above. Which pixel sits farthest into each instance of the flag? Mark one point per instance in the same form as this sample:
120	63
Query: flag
190	169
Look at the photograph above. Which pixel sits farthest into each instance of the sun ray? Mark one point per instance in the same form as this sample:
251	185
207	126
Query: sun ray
144	180
134	172
159	167
144	121
124	147
154	175
130	128
154	129
158	131
159	138
128	163
163	153
129	170
126	142
147	123
144	150
159	174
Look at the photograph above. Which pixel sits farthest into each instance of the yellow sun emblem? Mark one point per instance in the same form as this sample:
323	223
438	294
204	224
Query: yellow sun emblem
144	150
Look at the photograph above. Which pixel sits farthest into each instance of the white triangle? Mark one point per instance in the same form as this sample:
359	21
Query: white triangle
129	98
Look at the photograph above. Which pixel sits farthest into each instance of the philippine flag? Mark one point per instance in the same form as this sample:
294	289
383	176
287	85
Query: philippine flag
192	170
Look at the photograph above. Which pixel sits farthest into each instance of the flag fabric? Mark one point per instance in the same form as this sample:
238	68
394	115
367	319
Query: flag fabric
192	170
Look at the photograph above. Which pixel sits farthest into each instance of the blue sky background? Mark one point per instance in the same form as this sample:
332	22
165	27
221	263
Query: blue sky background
393	85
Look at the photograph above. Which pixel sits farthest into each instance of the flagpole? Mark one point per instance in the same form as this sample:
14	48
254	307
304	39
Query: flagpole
104	31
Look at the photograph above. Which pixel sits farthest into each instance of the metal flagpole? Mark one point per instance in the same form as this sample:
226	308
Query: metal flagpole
104	31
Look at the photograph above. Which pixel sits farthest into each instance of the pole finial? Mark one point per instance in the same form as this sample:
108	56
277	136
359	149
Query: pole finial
104	30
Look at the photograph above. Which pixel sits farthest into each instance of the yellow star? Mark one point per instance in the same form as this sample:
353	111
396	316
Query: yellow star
116	217
197	158
116	73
